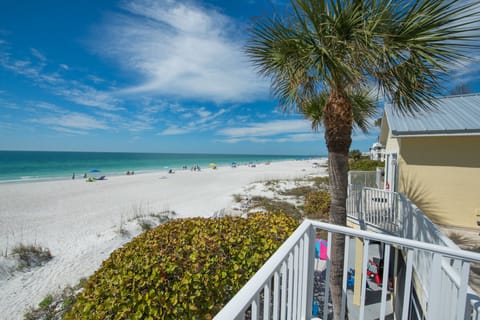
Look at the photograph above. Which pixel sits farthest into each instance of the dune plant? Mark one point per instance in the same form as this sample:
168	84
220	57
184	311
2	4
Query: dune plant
31	255
183	269
317	205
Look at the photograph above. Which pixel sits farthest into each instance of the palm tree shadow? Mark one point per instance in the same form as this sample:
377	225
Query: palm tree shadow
419	195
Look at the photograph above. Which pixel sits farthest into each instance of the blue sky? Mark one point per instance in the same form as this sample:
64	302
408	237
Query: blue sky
145	76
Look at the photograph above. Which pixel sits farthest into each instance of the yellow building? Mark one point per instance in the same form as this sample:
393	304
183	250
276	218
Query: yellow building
434	158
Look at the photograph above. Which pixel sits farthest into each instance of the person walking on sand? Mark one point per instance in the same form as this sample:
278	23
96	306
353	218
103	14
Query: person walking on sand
73	176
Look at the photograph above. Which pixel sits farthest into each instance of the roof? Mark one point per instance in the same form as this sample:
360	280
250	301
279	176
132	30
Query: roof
454	115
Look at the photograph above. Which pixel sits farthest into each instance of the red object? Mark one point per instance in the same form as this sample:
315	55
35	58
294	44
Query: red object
373	271
387	186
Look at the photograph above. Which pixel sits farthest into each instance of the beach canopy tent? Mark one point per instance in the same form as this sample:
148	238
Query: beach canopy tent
94	170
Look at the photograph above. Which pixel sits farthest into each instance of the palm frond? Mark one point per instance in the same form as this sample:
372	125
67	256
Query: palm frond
363	106
406	47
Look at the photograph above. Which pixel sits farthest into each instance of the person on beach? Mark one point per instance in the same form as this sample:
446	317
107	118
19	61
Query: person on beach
85	175
73	176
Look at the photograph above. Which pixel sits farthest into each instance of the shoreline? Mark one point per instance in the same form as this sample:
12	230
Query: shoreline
80	222
26	166
79	176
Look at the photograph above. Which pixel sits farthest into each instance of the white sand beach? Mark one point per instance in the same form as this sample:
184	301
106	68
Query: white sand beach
79	222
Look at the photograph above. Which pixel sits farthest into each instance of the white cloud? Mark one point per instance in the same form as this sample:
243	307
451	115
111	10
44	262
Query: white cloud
266	129
180	49
72	90
72	122
301	137
69	131
38	54
174	130
193	120
251	139
88	96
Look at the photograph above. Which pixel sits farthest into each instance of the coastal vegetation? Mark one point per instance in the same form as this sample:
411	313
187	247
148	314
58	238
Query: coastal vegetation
322	56
317	205
183	269
32	255
366	165
54	306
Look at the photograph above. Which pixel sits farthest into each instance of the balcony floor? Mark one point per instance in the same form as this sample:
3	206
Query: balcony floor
373	293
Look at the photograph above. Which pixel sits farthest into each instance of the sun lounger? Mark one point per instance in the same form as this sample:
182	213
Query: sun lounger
101	178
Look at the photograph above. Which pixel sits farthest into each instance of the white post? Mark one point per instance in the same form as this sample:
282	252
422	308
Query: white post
309	256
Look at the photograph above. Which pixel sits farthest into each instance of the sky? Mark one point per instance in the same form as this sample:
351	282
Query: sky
146	76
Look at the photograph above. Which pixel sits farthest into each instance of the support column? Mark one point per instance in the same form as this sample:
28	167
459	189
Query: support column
357	288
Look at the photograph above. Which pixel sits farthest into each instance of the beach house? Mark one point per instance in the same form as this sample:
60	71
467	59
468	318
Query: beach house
397	263
433	157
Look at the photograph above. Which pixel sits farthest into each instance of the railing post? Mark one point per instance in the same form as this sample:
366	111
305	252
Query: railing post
309	254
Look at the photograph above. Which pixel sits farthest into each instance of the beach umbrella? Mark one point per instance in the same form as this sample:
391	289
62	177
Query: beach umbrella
94	170
321	249
213	164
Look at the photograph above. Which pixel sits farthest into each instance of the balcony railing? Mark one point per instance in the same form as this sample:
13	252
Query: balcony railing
284	287
394	213
375	207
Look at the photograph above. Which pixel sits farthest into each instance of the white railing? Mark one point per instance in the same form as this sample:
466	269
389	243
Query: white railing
396	214
376	207
283	287
414	224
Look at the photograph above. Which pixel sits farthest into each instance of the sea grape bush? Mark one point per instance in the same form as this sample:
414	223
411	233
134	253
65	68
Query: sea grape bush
366	165
317	205
183	269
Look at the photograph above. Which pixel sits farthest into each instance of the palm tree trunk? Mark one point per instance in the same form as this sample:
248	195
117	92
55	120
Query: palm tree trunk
338	119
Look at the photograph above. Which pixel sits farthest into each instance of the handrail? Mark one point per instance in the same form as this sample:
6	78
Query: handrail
300	268
406	243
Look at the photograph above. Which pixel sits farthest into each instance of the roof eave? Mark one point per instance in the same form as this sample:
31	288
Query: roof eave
424	134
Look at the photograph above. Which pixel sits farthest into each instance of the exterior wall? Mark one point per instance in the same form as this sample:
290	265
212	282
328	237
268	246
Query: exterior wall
441	175
390	144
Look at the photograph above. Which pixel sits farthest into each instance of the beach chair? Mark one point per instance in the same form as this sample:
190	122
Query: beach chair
100	178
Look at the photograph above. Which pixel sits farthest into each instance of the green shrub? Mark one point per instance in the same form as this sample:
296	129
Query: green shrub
297	192
317	205
183	269
366	165
272	205
320	182
355	154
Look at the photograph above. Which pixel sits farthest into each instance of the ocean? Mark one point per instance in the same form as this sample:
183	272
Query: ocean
16	166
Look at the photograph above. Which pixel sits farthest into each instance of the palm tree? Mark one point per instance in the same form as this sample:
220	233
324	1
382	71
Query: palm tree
364	108
336	47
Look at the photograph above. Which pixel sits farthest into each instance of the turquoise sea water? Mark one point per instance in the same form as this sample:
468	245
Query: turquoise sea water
39	165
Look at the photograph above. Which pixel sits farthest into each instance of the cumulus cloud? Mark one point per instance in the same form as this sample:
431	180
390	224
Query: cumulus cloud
180	49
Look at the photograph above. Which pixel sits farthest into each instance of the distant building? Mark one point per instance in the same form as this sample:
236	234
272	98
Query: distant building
377	152
434	158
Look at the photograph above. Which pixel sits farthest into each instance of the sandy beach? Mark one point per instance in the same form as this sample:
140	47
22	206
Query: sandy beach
79	222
